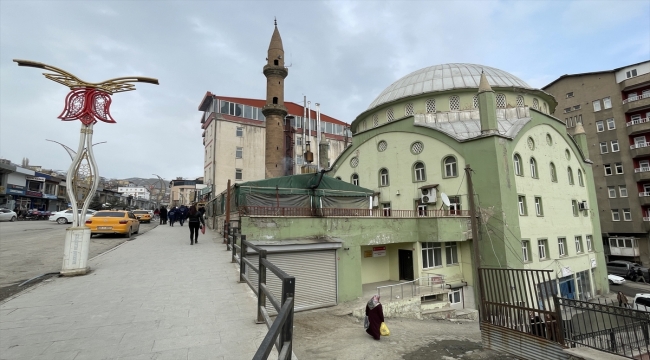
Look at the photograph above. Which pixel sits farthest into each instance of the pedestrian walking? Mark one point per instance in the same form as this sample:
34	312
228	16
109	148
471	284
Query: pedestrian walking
194	222
172	216
639	275
181	215
375	315
163	215
622	299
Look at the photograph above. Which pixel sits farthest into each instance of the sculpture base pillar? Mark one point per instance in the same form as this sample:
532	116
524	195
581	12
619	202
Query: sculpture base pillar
75	255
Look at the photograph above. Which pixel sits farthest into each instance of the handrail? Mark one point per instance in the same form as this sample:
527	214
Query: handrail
641	169
636	98
336	212
637	121
416	285
639	145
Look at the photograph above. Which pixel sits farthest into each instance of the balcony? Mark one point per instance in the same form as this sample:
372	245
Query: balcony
638	126
335	212
636	102
640	150
644	198
642	174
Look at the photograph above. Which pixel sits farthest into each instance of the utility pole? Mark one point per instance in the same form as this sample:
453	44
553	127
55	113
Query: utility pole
474	225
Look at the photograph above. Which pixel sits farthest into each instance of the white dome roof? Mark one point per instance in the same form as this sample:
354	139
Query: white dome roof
445	77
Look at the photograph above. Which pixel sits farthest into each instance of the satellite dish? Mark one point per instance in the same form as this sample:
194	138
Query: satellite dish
445	199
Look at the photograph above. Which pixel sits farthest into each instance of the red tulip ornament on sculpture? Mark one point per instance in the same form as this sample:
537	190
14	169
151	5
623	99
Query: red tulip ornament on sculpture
87	105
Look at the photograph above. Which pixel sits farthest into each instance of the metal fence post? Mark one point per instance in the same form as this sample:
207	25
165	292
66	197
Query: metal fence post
226	231
288	290
232	247
242	256
261	296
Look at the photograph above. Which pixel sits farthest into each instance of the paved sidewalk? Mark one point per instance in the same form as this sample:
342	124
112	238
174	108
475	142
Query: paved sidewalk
155	297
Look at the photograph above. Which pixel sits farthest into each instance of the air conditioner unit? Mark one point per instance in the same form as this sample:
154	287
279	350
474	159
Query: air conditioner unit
428	196
583	206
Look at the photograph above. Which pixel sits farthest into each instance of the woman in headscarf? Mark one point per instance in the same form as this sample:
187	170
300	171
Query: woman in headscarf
375	315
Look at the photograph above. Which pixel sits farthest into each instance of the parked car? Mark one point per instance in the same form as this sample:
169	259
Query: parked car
114	222
615	279
622	268
642	302
142	215
65	216
7	215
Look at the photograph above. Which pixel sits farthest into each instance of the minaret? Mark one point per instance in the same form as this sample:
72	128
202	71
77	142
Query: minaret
274	110
487	107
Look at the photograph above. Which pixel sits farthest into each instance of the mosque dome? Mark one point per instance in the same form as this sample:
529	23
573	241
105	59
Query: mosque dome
445	77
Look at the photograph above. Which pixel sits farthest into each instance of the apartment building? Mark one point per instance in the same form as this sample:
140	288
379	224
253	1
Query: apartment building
613	107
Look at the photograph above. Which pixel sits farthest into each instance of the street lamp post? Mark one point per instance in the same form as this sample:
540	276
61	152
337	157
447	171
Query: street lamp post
159	197
88	103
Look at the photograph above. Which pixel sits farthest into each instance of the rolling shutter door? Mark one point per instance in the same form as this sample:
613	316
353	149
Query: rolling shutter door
315	273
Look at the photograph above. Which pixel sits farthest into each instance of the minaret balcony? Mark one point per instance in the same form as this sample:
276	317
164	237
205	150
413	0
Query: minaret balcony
275	70
274	109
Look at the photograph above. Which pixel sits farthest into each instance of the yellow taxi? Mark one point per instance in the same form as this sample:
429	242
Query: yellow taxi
113	222
142	215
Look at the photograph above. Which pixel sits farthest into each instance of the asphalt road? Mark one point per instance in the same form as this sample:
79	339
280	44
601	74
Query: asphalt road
32	248
630	289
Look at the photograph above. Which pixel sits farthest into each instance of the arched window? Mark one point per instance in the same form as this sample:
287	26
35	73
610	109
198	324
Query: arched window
408	109
451	170
517	164
581	182
419	172
553	173
533	168
275	99
431	106
383	177
454	103
475	101
501	101
545	108
570	174
520	101
375	120
535	104
355	179
338	178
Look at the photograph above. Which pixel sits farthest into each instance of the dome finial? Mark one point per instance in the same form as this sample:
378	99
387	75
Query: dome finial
275	21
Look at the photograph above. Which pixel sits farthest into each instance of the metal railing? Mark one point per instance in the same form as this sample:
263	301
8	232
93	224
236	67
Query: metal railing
637	121
280	330
331	212
644	194
639	145
419	287
641	169
636	98
613	329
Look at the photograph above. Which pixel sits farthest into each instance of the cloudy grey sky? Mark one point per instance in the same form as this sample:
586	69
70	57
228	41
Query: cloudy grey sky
342	54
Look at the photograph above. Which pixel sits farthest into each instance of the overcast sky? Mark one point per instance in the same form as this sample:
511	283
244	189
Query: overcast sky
341	54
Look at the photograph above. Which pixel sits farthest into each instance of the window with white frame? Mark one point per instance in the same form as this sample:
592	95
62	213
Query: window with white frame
622	190
600	126
517	165
521	201
240	132
385	207
431	255
607	103
450	167
533	168
239	152
553	173
355	179
561	244
611	191
239	174
578	240
631	73
451	252
615	147
539	210
608	169
581	181
383	177
422	209
299	141
596	104
299	160
454	103
611	125
525	250
619	168
418	168
574	207
589	243
615	215
454	296
627	215
569	94
541	247
570	175
603	147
